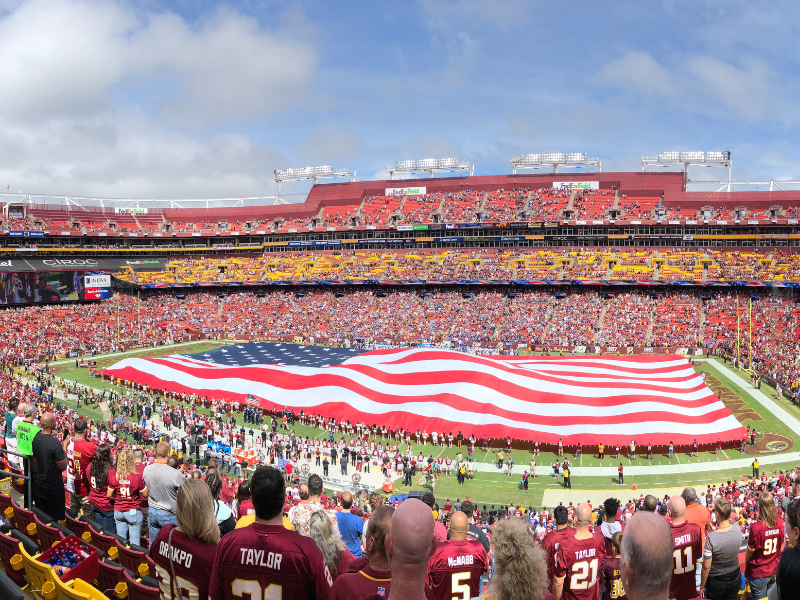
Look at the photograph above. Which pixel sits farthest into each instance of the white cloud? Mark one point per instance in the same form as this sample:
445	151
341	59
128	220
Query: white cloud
93	91
640	72
702	84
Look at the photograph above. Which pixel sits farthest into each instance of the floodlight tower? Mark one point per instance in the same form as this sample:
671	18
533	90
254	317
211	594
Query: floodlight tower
555	160
306	173
431	166
690	159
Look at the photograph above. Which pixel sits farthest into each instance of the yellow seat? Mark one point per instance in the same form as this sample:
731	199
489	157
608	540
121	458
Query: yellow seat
37	574
79	590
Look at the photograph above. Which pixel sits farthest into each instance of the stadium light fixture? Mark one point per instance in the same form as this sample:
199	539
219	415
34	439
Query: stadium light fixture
431	166
306	173
689	159
555	161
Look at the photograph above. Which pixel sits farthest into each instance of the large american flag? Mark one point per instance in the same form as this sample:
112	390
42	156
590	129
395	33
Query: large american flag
591	399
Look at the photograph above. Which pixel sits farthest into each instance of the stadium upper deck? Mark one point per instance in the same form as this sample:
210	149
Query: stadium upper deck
602	205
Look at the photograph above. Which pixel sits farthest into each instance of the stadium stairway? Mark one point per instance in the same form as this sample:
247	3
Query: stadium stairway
602	317
649	335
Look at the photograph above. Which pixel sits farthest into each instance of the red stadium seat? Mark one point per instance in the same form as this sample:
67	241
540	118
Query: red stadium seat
48	536
138	591
12	559
111	574
26	523
131	559
79	527
103	542
7	502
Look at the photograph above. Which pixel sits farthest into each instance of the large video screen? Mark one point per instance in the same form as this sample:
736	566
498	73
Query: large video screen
53	286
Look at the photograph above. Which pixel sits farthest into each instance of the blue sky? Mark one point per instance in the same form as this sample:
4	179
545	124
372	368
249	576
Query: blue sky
201	99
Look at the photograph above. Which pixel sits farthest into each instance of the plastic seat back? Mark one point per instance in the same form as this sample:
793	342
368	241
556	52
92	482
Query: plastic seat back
12	559
139	591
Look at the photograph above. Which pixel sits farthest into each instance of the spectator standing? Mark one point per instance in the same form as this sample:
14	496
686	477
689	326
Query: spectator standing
409	546
11	436
162	485
438	528
375	577
80	453
695	513
574	578
610	578
720	578
764	547
553	538
475	532
351	527
458	563
334	552
688	550
610	525
49	461
26	430
102	509
788	579
129	488
222	512
264	554
188	549
646	560
520	570
300	515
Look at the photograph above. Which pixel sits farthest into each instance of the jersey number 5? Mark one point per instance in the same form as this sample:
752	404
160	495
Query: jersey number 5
460	590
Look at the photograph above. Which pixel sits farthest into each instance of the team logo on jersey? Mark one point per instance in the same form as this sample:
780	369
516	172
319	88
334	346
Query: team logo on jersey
381	591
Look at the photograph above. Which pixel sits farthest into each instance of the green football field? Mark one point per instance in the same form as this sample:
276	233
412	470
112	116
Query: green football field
776	438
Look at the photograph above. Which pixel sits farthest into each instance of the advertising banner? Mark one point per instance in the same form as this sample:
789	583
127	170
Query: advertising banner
406	191
577	185
130	211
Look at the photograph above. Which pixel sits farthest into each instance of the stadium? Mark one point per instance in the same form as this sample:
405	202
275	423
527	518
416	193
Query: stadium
527	377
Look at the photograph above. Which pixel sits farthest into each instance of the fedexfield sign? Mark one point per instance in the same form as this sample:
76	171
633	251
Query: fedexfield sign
577	185
409	191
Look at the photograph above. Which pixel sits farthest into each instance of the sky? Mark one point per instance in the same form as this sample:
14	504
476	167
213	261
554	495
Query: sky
198	99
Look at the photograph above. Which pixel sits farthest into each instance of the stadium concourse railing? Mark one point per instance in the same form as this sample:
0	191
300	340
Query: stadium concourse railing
16	475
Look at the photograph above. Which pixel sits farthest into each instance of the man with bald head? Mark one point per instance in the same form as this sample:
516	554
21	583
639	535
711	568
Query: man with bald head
646	558
578	560
49	461
409	545
687	551
456	568
375	578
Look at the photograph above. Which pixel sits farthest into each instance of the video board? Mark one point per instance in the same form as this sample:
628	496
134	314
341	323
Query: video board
53	286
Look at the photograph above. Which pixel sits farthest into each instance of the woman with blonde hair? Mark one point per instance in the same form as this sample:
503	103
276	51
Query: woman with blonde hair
127	488
764	547
336	555
520	571
195	539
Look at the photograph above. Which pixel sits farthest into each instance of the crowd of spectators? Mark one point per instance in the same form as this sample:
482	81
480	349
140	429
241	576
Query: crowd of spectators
485	264
488	321
153	496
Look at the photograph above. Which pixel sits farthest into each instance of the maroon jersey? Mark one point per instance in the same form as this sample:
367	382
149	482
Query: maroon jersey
455	570
611	580
578	563
767	545
687	541
366	581
550	544
79	459
127	491
98	495
192	561
269	561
